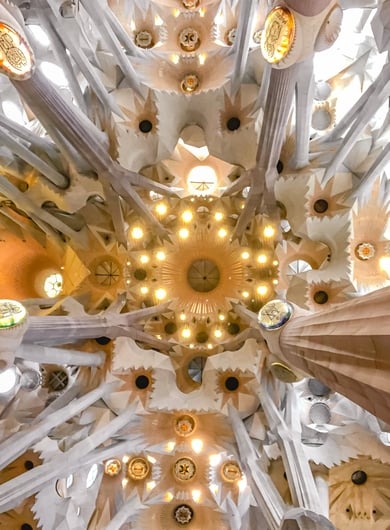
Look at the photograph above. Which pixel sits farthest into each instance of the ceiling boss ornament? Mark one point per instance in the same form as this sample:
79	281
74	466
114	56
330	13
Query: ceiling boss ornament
138	468
190	83
183	514
189	39
231	471
278	35
184	469
185	425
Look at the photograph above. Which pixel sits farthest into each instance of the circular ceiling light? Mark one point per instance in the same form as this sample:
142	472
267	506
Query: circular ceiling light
53	285
202	180
278	35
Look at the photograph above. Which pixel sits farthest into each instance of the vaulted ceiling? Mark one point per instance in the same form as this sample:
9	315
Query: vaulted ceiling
194	265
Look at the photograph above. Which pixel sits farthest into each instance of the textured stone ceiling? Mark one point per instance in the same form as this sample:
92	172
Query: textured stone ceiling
167	168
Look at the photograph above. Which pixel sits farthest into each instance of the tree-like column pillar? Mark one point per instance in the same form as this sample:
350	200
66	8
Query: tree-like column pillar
346	347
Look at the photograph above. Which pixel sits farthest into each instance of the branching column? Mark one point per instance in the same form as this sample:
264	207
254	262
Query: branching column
346	347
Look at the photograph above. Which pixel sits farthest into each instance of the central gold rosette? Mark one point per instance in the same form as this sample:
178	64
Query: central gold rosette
202	274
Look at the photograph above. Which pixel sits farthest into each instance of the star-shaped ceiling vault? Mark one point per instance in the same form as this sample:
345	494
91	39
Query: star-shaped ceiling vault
194	265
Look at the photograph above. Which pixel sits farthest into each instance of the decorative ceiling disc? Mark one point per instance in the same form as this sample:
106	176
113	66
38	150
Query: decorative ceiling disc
278	35
231	471
203	275
184	469
112	467
190	83
12	313
190	4
189	39
144	39
183	514
283	373
365	251
138	468
275	314
16	58
185	425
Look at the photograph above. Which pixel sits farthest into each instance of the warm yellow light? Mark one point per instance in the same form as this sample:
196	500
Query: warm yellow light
170	446
176	12
217	333
168	496
150	485
202	11
262	290
144	259
182	316
158	21
384	264
125	481
275	262
144	290
160	294
242	483
218	216
137	232
221	317
197	445
187	216
202	58
151	459
183	233
161	208
215	460
186	333
210	346
175	58
222	232
245	294
262	258
275	282
196	495
160	255
245	255
214	489
269	231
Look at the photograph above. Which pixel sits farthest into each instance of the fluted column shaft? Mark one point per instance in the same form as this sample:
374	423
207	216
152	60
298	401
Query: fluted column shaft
346	347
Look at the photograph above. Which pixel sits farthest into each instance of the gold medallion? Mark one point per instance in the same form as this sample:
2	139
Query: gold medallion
138	468
112	467
231	471
184	425
278	35
184	469
15	56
